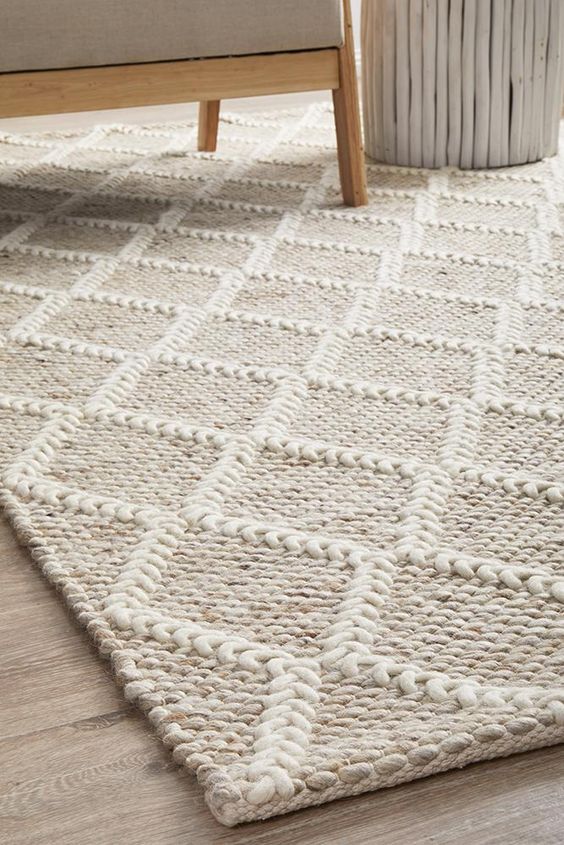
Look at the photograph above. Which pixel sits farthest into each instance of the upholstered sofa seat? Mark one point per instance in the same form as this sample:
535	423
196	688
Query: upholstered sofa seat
50	34
86	55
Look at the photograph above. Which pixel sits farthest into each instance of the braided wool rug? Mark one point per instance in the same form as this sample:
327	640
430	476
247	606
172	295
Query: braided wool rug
297	468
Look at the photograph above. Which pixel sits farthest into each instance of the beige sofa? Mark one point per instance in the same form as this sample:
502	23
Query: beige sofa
74	55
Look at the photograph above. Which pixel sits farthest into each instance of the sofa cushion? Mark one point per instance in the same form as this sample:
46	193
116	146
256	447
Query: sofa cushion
41	34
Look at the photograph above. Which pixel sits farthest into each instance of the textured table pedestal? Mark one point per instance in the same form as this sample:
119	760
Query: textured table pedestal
470	83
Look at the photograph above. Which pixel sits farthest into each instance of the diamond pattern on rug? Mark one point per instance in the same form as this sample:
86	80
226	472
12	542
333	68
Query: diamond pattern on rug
109	325
297	467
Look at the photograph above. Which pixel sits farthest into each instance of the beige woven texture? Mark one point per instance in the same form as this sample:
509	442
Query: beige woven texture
297	468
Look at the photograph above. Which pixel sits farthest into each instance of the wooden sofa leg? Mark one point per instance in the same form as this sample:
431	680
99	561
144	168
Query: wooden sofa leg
208	123
347	122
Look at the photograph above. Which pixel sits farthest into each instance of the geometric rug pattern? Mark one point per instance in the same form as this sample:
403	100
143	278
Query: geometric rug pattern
298	468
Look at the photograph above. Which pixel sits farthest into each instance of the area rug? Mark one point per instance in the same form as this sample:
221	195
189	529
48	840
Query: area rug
296	467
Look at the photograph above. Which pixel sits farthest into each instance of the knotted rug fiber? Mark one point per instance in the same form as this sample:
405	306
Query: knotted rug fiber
298	468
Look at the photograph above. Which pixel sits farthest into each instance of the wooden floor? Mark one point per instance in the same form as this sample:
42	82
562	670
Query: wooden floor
80	767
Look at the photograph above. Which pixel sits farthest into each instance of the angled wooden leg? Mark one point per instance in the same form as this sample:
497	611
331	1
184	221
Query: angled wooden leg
347	122
208	123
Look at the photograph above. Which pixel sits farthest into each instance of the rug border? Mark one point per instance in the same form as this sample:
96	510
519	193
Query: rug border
218	788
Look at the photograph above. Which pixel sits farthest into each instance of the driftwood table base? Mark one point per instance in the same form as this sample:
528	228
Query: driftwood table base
467	83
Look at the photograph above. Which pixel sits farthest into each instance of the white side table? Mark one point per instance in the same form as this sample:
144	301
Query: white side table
469	83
